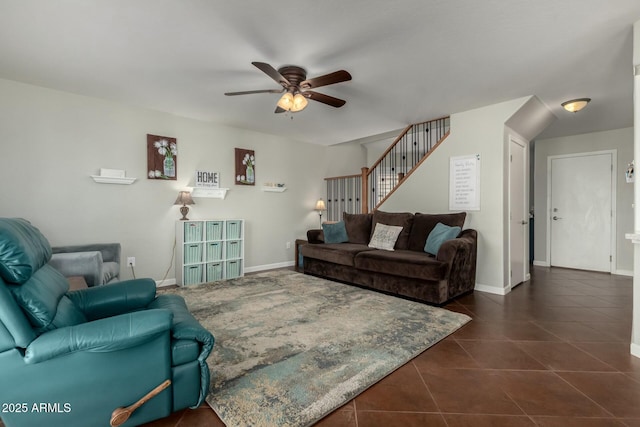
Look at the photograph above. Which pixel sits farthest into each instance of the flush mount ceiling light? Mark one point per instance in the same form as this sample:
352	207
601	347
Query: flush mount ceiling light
575	105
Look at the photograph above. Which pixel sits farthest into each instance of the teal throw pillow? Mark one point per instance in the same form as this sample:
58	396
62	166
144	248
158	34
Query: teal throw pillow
440	234
335	233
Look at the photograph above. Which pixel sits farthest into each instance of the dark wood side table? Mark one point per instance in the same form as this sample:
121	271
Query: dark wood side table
298	260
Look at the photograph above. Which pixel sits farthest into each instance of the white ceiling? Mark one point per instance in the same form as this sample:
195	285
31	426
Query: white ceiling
411	60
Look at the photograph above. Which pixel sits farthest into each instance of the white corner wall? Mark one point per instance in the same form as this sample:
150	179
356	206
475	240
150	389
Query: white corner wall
51	142
480	131
620	140
635	334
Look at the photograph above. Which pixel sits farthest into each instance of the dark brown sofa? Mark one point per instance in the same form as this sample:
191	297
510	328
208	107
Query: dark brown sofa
407	271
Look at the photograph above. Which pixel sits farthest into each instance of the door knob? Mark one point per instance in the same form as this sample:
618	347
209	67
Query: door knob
555	218
523	222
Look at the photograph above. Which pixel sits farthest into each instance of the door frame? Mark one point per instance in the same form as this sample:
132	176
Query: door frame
526	201
614	187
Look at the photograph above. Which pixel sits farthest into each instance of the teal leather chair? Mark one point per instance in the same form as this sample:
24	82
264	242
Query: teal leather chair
72	358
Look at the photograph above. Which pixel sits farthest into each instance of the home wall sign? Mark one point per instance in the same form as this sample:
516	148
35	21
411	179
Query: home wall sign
206	179
464	183
162	157
207	184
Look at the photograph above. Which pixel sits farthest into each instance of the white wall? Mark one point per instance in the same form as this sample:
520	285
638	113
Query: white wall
480	131
620	140
51	142
635	335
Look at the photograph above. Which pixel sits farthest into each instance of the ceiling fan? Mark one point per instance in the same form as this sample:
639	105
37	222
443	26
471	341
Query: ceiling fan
297	88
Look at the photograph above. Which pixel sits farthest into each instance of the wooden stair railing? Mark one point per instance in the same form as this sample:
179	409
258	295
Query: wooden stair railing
366	191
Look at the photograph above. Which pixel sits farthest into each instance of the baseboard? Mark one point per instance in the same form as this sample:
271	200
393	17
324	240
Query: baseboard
635	349
167	282
624	273
527	277
541	263
491	289
269	266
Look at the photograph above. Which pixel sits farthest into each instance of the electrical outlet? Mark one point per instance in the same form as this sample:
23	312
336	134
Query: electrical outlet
131	261
288	245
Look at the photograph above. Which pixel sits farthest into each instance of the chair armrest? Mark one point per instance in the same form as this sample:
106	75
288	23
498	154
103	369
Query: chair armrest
86	264
115	298
105	335
315	236
186	327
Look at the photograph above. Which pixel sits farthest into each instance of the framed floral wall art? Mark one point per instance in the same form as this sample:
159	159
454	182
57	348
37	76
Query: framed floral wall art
245	167
162	157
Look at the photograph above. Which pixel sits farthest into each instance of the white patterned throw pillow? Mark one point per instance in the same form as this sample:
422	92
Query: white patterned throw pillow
385	236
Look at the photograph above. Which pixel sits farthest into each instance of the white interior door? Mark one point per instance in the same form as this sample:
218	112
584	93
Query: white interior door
519	218
581	212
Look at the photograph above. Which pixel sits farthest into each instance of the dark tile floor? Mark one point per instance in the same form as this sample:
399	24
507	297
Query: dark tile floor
553	352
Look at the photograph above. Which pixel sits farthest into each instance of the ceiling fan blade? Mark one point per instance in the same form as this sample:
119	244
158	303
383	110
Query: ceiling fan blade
249	92
327	79
280	110
325	99
273	73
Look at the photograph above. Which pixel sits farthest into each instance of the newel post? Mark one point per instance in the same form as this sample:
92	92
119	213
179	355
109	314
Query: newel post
365	190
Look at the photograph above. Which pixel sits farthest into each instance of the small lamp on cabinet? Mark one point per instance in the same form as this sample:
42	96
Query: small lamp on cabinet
184	199
320	206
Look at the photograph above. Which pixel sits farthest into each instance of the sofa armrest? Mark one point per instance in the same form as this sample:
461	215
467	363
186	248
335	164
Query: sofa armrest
450	248
315	236
461	255
86	264
104	335
110	251
115	298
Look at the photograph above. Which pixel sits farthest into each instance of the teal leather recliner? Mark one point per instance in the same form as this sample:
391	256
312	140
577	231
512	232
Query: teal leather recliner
72	358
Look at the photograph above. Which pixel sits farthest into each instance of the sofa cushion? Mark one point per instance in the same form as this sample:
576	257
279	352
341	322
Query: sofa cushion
358	227
402	219
385	236
404	263
424	223
440	234
337	253
335	233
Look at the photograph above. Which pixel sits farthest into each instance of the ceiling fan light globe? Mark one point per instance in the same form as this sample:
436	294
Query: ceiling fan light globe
286	101
299	103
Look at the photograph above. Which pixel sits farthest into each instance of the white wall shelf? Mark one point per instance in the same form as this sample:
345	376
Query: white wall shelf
274	189
212	193
112	176
112	180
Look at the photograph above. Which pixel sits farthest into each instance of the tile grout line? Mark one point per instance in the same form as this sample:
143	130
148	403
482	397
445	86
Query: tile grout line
435	402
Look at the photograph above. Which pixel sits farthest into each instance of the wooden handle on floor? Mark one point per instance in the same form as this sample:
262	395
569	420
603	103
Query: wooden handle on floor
120	415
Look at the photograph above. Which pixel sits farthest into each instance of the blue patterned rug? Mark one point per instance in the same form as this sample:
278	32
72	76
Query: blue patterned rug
291	348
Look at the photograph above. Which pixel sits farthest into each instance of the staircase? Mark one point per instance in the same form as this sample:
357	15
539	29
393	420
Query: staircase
366	191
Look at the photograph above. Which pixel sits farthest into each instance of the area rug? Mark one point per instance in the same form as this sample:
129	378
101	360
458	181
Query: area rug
291	348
